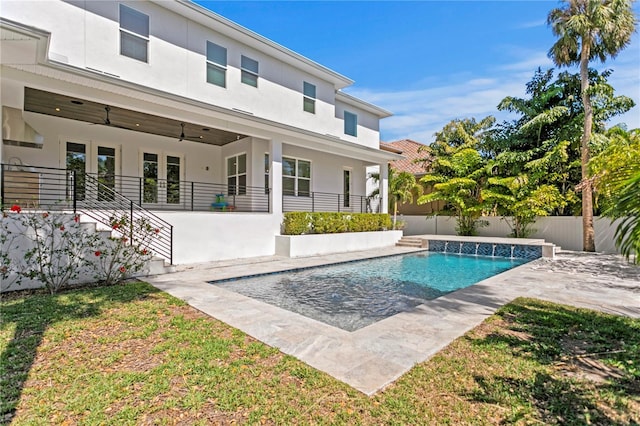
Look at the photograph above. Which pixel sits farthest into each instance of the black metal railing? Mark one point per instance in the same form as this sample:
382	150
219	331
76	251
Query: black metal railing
105	205
164	194
325	202
47	188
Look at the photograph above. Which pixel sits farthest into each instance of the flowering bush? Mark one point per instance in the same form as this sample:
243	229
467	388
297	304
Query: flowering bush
54	245
54	249
122	256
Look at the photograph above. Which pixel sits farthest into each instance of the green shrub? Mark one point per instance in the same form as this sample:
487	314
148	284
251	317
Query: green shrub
297	223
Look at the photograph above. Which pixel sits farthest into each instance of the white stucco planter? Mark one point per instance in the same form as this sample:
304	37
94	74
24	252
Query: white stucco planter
316	244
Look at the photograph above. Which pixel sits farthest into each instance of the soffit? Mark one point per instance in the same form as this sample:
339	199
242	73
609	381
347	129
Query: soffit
63	106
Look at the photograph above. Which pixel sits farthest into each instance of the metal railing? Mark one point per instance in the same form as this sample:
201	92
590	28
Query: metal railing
325	202
165	194
47	188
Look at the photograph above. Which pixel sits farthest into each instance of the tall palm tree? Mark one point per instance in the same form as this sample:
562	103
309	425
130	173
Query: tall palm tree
587	30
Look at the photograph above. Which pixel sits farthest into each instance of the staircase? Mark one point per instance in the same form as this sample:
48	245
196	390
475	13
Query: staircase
154	266
410	242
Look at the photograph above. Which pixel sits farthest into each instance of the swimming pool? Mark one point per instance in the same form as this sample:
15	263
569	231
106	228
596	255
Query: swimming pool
356	294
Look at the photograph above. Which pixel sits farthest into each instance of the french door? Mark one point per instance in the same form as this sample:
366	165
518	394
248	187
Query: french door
161	179
101	161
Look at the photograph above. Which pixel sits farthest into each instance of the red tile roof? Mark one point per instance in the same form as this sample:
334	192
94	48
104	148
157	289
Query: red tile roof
409	149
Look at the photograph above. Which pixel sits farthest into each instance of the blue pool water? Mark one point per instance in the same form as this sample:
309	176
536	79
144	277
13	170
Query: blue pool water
356	294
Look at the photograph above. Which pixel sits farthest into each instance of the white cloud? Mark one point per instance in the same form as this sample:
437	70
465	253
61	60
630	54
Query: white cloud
419	113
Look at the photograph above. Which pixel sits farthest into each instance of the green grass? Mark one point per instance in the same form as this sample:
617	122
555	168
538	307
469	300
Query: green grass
130	354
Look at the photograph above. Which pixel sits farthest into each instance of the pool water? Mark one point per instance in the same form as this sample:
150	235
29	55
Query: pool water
356	294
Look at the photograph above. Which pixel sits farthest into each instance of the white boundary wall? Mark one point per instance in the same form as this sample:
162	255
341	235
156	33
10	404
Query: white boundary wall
563	231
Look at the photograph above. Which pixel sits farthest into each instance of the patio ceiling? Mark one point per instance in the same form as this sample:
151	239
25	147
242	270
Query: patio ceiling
57	105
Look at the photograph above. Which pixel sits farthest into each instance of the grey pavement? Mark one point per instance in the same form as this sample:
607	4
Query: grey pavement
372	357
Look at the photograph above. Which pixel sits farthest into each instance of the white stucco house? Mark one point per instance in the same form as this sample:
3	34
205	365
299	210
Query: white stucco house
180	112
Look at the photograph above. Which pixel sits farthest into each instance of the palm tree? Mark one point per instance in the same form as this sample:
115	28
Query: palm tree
402	188
586	30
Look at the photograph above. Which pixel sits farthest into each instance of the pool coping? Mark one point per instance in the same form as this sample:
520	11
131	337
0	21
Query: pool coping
372	357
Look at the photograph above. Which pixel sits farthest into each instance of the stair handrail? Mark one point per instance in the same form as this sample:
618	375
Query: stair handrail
109	200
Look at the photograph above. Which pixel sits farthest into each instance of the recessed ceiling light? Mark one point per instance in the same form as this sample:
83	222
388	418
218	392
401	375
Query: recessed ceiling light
77	102
201	137
137	124
58	109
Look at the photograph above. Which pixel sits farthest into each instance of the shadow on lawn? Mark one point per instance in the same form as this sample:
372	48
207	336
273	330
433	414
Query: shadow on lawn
33	314
563	338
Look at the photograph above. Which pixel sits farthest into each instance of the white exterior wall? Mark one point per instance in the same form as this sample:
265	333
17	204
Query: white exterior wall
563	231
202	237
177	63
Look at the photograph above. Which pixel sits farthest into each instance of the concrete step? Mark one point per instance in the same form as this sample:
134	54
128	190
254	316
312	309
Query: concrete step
410	242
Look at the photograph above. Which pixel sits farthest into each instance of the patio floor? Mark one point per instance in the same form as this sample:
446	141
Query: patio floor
372	357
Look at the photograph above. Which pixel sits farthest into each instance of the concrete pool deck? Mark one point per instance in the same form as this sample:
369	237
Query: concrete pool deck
372	357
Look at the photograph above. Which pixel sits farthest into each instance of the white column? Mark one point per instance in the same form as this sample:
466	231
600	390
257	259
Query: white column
384	188
275	175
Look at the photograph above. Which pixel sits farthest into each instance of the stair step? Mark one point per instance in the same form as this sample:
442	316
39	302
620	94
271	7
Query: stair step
410	242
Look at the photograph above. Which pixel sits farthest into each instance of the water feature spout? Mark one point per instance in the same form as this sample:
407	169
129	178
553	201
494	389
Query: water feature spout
493	252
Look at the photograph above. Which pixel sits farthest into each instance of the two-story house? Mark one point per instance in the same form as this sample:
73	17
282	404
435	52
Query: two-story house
170	107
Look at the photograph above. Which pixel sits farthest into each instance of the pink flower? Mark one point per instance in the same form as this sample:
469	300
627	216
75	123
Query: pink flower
62	227
45	215
76	218
98	253
115	226
122	269
124	239
16	208
157	230
144	251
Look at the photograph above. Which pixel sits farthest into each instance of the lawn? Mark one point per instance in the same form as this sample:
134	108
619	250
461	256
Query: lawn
130	354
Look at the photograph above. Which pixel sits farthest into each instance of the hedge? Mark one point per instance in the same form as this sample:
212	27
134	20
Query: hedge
298	223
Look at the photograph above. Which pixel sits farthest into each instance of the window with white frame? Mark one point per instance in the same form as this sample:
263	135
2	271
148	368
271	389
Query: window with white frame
237	175
216	64
309	97
296	177
350	124
134	33
249	69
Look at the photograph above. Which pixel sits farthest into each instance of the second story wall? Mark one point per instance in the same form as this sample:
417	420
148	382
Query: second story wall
172	56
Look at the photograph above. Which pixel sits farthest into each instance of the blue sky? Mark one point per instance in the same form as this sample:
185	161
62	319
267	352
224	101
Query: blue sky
428	62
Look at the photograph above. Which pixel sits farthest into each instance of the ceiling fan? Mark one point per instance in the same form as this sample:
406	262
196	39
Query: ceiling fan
187	137
107	120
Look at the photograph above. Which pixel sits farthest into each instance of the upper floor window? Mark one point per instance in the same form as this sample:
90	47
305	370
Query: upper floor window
216	64
134	33
249	71
237	175
296	177
350	124
309	97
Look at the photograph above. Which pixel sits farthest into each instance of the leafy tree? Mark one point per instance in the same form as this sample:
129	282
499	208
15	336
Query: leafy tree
458	171
615	173
523	197
587	30
551	115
